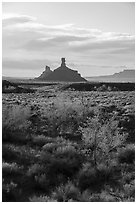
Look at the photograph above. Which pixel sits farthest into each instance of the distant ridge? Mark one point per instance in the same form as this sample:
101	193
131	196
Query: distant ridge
15	78
61	74
123	76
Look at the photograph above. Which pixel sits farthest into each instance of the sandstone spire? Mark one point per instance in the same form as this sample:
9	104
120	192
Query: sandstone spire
63	64
61	74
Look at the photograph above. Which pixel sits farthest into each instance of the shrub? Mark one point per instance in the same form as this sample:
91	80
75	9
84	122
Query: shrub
64	117
59	144
41	181
37	173
41	198
20	154
129	190
41	140
127	154
50	147
87	178
62	157
109	174
85	196
106	197
15	123
11	168
102	196
58	160
91	178
62	160
58	118
9	153
66	192
35	169
127	123
128	176
66	163
101	140
10	191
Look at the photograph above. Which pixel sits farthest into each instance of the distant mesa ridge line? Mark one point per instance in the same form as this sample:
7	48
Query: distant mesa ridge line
62	73
123	76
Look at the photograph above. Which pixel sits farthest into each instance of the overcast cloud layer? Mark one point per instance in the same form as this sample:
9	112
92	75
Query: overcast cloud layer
29	45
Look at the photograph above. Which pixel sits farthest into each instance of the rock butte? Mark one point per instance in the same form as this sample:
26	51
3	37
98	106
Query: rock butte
62	74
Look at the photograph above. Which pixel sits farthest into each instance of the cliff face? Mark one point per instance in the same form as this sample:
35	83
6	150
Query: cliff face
62	74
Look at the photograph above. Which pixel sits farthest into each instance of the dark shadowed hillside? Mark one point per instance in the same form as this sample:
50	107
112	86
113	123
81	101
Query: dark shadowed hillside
100	86
10	87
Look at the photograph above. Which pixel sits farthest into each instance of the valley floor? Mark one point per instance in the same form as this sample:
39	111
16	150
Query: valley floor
64	145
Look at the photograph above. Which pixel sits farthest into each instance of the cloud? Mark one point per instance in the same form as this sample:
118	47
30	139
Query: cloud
12	19
25	64
105	45
56	42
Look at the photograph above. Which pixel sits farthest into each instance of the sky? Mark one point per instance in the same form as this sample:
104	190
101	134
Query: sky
95	38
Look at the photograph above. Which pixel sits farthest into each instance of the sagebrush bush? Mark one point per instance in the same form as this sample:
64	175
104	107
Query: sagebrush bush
41	181
61	158
67	192
93	178
60	142
41	140
38	175
67	163
58	160
11	169
87	178
106	197
41	198
100	140
127	154
129	190
108	174
85	196
10	191
43	176
64	118
35	169
23	155
15	123
128	176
